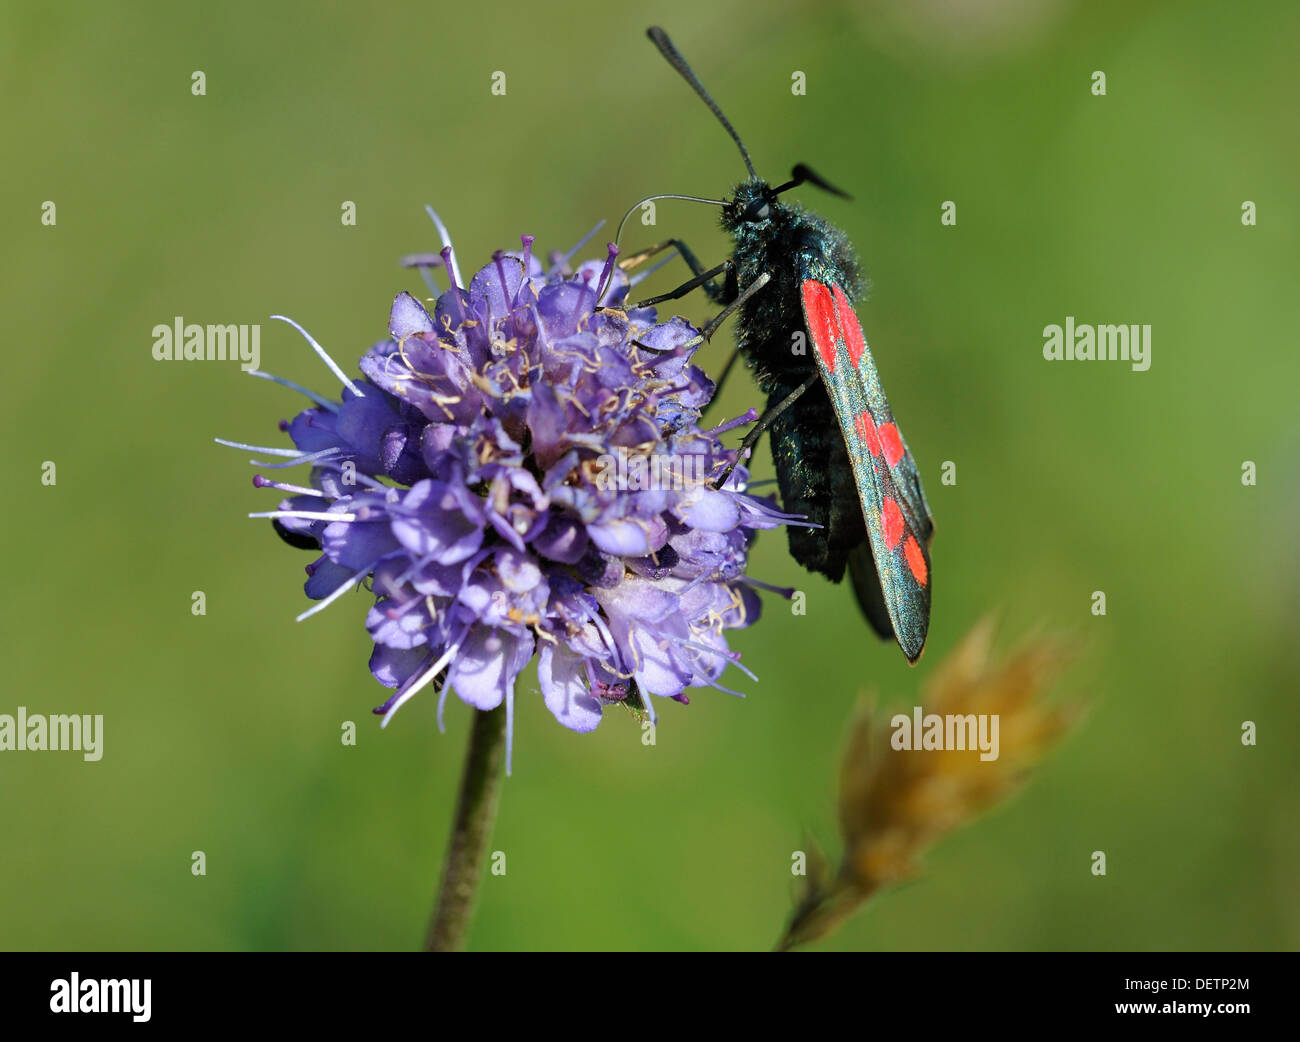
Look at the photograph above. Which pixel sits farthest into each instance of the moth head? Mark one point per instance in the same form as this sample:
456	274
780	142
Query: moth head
752	207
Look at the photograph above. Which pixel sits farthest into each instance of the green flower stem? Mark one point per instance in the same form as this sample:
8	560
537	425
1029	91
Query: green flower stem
476	810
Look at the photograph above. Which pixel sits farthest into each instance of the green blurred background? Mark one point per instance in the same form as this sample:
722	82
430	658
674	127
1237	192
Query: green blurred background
222	731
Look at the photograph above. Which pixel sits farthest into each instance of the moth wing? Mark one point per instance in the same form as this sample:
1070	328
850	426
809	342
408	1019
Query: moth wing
899	526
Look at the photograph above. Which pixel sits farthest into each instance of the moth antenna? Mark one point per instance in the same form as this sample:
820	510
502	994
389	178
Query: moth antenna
806	175
666	48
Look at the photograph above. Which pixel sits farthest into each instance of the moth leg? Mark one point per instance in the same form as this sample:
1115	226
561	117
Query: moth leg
709	329
717	294
711	326
703	278
763	423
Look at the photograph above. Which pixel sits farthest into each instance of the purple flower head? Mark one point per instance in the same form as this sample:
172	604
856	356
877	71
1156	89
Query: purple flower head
521	473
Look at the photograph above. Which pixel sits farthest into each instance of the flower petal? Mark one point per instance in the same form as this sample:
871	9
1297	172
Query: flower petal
490	658
561	674
408	317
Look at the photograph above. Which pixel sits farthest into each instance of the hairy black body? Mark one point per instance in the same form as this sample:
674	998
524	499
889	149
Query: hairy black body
840	459
812	466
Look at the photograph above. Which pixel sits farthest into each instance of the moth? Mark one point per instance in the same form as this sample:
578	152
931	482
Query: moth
841	459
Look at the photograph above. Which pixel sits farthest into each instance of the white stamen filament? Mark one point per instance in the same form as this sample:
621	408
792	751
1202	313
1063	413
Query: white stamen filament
299	459
446	242
257	448
301	490
425	680
334	368
335	594
306	515
323	402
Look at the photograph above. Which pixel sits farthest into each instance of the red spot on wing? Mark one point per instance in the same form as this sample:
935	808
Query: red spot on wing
866	428
849	323
892	443
891	523
820	309
916	560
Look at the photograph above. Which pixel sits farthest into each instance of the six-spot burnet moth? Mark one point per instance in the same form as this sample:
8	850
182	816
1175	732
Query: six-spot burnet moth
840	458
